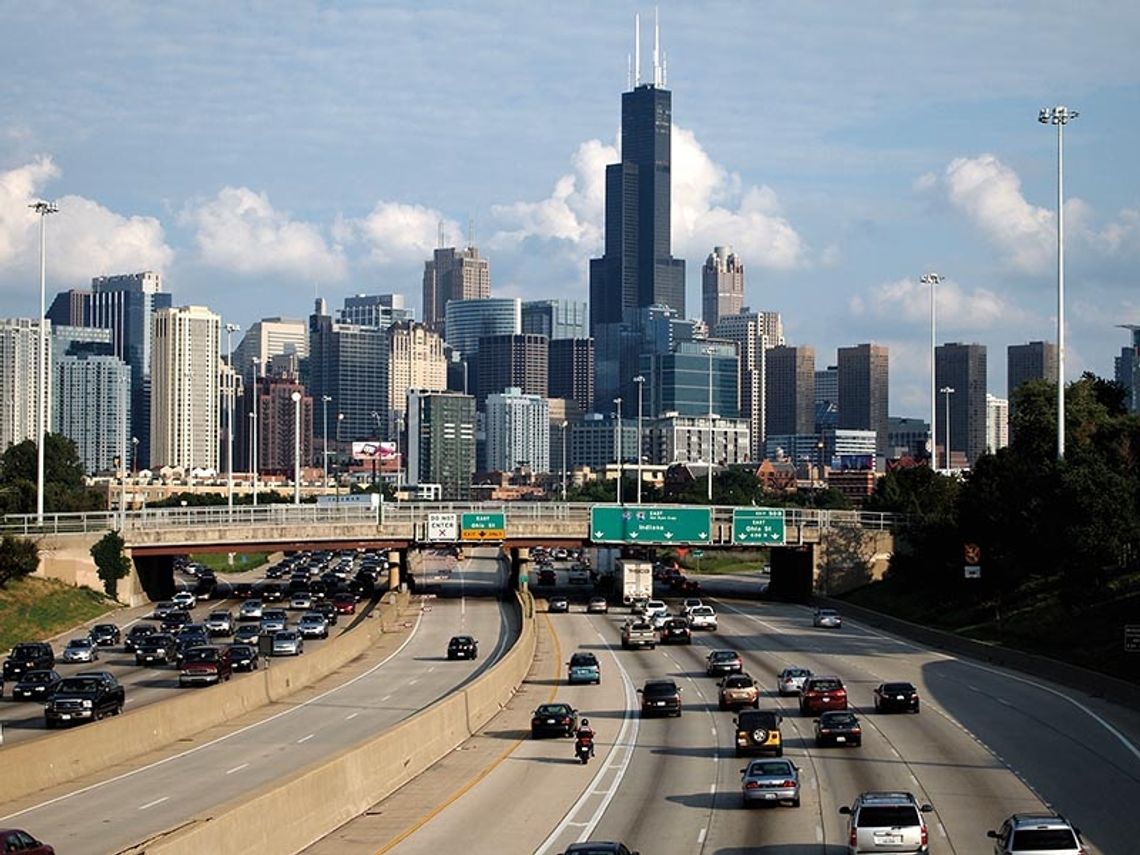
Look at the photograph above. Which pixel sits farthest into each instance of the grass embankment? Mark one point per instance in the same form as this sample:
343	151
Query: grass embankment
219	562
724	561
1037	621
36	609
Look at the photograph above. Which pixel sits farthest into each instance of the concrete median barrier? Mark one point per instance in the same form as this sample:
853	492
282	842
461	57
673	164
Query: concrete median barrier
91	748
288	816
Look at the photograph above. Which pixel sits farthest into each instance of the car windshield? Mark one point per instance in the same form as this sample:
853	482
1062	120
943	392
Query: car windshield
703	610
898	688
738	682
837	719
797	672
79	642
554	709
824	685
722	655
241	649
78	684
37	677
887	816
1043	839
583	659
770	768
659	690
827	612
201	655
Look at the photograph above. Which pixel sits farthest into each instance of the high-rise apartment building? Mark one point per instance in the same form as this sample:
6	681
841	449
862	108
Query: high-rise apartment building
415	361
91	397
349	364
20	381
571	371
863	383
441	442
908	437
961	367
596	442
1127	368
753	333
673	438
506	361
518	432
453	274
375	310
277	437
556	319
637	268
266	339
185	363
1036	360
722	285
997	423
680	382
790	390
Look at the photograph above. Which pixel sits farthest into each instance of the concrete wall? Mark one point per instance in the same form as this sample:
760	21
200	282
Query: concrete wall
91	748
288	816
67	558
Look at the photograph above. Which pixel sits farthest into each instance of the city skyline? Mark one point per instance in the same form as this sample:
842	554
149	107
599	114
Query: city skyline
295	162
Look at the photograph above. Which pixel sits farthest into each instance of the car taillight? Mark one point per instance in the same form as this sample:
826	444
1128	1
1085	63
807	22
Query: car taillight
853	840
924	835
788	784
825	730
752	785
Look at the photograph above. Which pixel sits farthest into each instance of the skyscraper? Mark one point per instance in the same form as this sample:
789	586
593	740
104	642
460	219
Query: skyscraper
20	373
507	361
415	361
266	339
349	363
91	396
961	367
441	442
790	390
467	321
864	375
997	423
722	285
571	371
1127	368
1036	360
637	268
453	274
375	310
185	363
518	431
556	319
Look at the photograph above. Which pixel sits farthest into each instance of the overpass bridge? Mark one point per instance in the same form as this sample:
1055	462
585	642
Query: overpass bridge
836	549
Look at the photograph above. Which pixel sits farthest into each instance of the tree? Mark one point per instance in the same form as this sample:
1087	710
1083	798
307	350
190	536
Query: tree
65	489
112	562
18	558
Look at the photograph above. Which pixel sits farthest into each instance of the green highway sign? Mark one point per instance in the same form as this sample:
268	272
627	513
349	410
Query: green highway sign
762	526
490	526
657	524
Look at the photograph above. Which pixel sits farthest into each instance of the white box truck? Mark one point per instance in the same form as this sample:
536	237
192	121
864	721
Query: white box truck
634	580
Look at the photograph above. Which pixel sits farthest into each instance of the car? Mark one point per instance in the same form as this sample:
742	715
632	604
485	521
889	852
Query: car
653	608
247	633
272	592
345	604
106	634
838	727
690	603
676	630
637	605
137	633
86	696
326	609
554	719
15	840
288	642
156	648
250	609
895	696
822	693
599	847
301	601
38	685
244	657
758	732
558	605
547	576
203	666
1037	834
790	681
220	623
720	662
175	620
163	608
313	625
583	667
462	647
207	585
702	617
241	590
738	690
886	822
827	618
185	600
28	656
81	650
660	697
771	781
598	606
273	620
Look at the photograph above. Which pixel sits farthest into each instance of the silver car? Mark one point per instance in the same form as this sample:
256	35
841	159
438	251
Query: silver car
288	642
827	618
220	623
250	610
80	650
1037	834
790	681
887	822
772	781
313	625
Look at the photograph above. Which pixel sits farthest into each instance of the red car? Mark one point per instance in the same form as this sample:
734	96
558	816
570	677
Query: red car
822	693
14	840
345	604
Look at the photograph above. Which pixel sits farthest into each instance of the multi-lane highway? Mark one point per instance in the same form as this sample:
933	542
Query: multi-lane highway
137	803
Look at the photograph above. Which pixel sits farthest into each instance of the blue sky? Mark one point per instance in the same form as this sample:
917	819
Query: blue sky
258	153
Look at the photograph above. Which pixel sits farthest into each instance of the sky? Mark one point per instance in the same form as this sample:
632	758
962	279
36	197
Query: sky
261	153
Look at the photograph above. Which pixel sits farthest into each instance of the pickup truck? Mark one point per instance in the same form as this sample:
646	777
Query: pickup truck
87	696
638	634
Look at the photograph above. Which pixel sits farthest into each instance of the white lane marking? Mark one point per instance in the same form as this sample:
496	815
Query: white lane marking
305	738
413	681
385	698
351	716
155	802
236	768
701	837
380	664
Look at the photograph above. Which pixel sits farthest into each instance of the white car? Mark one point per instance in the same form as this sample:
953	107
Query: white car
653	608
689	604
184	600
790	681
250	610
827	618
702	617
80	650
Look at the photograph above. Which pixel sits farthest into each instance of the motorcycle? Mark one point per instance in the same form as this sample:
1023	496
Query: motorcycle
583	748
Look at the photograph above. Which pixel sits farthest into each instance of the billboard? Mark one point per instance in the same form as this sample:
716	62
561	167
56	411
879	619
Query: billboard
853	462
374	451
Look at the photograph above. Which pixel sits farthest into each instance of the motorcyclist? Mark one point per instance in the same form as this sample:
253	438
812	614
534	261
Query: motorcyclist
585	735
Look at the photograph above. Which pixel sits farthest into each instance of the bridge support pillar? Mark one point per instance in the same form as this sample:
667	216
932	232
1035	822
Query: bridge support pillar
397	561
516	562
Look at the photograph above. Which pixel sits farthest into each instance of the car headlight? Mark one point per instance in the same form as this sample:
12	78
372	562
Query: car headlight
87	705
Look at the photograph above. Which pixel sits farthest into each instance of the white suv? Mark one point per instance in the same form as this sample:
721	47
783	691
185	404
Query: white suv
702	617
654	608
1037	834
887	822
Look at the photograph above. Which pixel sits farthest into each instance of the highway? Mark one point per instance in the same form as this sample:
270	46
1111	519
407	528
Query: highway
133	805
985	745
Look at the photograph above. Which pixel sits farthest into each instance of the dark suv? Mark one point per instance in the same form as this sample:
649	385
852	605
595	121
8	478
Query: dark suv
28	656
660	697
88	696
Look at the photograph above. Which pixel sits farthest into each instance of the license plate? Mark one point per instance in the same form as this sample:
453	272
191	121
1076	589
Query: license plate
550	721
841	739
900	698
769	795
895	839
659	703
825	699
65	716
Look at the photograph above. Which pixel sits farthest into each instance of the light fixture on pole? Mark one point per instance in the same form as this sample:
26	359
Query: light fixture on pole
640	381
947	391
296	396
618	451
43	209
932	279
339	421
325	430
135	455
710	351
563	426
230	390
1060	116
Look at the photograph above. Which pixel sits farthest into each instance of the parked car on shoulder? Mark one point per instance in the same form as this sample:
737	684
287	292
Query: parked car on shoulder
660	697
87	696
554	719
80	650
583	667
28	656
790	681
838	727
106	634
758	732
822	693
203	666
889	697
35	685
737	691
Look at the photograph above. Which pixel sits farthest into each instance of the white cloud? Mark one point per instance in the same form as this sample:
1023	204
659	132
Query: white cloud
239	230
908	301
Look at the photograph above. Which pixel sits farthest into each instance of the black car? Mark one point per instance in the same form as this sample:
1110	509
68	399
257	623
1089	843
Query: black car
462	647
242	590
553	720
326	608
159	648
36	686
137	633
28	656
174	621
244	657
106	634
838	727
660	697
599	847
896	696
676	630
88	696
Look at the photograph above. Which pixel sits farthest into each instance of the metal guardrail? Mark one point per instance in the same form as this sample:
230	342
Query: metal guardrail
388	513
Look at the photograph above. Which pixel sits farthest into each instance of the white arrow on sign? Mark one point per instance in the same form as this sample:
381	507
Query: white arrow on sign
598	534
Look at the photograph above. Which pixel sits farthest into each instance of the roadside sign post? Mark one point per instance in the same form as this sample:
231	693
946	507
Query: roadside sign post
655	525
758	526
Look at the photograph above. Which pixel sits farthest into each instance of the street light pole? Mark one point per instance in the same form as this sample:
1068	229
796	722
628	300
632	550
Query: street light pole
563	426
296	396
325	430
230	377
339	420
932	279
253	451
43	209
640	381
1060	116
617	403
123	379
710	351
947	391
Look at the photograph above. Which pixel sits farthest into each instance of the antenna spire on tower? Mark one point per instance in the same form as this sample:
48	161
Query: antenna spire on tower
657	77
636	49
439	237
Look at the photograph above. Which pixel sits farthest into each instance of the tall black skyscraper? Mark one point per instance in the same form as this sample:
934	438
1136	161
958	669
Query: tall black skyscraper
638	269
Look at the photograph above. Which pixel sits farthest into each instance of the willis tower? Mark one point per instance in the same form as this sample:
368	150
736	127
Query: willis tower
637	269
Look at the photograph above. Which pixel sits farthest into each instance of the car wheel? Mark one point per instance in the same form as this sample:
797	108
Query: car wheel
876	705
857	742
916	706
723	706
796	802
99	715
